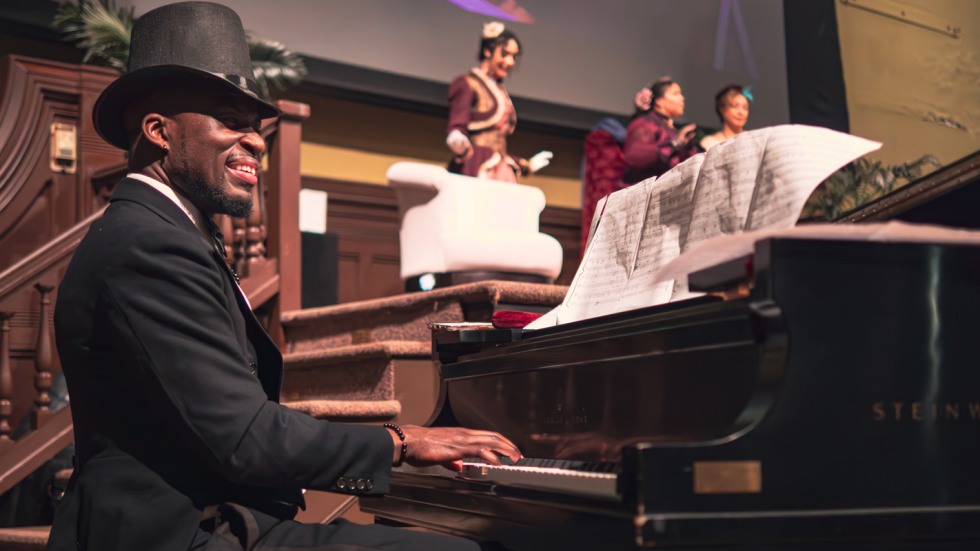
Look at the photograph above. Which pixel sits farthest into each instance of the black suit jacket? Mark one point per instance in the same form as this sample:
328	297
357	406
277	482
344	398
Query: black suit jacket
174	388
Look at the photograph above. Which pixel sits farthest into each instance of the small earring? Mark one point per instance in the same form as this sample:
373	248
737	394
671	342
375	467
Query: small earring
166	147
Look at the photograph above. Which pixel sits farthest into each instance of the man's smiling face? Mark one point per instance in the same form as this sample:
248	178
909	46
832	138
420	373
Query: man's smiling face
214	150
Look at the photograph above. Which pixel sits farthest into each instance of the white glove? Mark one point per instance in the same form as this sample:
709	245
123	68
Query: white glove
539	160
458	142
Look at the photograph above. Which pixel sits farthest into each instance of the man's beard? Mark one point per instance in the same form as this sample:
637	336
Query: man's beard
216	202
208	196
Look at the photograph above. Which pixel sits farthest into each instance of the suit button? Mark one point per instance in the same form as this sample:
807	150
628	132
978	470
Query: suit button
370	484
342	483
251	367
361	484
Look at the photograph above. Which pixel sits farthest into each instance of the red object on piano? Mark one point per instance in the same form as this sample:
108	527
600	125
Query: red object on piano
512	319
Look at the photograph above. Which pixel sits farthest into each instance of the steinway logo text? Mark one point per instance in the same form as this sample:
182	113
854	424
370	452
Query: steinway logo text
925	411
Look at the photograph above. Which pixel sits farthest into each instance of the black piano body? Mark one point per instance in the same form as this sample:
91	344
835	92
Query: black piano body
835	406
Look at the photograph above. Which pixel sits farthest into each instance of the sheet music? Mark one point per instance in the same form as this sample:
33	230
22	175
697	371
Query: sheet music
762	179
759	179
634	233
606	270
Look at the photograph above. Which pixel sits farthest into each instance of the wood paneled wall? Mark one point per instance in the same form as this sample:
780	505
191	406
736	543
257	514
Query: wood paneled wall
365	219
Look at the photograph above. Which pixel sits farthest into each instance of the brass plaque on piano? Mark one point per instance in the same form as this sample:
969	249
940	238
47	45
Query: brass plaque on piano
727	477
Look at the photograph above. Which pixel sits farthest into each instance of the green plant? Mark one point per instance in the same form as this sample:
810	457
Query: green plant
859	183
273	64
103	31
99	28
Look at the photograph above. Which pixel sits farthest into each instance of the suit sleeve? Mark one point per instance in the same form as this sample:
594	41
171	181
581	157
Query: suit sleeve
170	311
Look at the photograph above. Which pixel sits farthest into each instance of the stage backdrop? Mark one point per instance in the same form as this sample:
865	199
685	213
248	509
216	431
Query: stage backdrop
592	55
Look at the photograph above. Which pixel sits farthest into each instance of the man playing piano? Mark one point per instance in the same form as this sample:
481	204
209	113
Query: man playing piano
174	385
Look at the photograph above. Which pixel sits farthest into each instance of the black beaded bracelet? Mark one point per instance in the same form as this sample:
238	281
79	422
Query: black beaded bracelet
401	436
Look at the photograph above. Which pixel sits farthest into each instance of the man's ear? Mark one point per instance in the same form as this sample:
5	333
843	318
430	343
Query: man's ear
154	128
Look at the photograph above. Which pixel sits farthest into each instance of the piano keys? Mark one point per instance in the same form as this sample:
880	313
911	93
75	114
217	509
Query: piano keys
585	478
837	406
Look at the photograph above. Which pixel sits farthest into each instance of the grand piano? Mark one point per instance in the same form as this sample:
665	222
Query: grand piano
835	405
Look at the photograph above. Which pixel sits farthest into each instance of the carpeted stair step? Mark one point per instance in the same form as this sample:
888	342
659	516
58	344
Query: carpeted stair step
407	317
393	380
25	538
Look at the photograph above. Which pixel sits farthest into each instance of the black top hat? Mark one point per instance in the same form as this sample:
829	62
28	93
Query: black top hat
175	44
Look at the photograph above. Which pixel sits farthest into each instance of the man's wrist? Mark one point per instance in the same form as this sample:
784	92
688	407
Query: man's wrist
399	443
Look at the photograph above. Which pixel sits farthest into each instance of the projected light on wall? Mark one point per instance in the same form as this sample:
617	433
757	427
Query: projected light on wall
498	9
730	15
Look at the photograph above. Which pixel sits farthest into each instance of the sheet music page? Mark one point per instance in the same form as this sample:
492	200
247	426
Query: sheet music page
668	219
635	232
724	185
759	179
796	160
610	257
762	179
596	215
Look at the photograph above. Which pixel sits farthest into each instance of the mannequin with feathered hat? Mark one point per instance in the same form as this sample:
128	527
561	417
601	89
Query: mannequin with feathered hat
482	117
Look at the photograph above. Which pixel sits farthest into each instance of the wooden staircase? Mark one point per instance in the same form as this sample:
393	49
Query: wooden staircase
371	360
366	362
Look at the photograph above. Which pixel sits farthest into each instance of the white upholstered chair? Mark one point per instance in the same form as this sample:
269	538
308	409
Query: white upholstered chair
456	229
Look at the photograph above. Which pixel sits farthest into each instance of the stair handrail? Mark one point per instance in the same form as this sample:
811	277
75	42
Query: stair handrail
35	448
28	269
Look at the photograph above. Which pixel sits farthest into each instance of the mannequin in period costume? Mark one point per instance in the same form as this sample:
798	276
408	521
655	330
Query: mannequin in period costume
481	115
180	440
653	145
732	107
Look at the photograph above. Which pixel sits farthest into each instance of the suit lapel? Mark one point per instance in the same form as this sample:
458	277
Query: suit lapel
267	355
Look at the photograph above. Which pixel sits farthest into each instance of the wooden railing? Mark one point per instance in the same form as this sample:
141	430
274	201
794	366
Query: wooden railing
51	431
35	449
32	276
263	249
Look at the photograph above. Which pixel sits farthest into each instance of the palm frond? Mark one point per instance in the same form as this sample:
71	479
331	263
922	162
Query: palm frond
99	28
859	183
273	65
103	31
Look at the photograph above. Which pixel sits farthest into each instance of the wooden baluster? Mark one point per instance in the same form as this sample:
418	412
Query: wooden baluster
255	234
6	382
239	232
42	361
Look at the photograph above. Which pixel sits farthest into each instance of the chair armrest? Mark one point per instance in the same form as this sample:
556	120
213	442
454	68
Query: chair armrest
417	176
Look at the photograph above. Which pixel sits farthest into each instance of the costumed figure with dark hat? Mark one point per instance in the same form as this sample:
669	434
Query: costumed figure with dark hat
481	115
180	439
